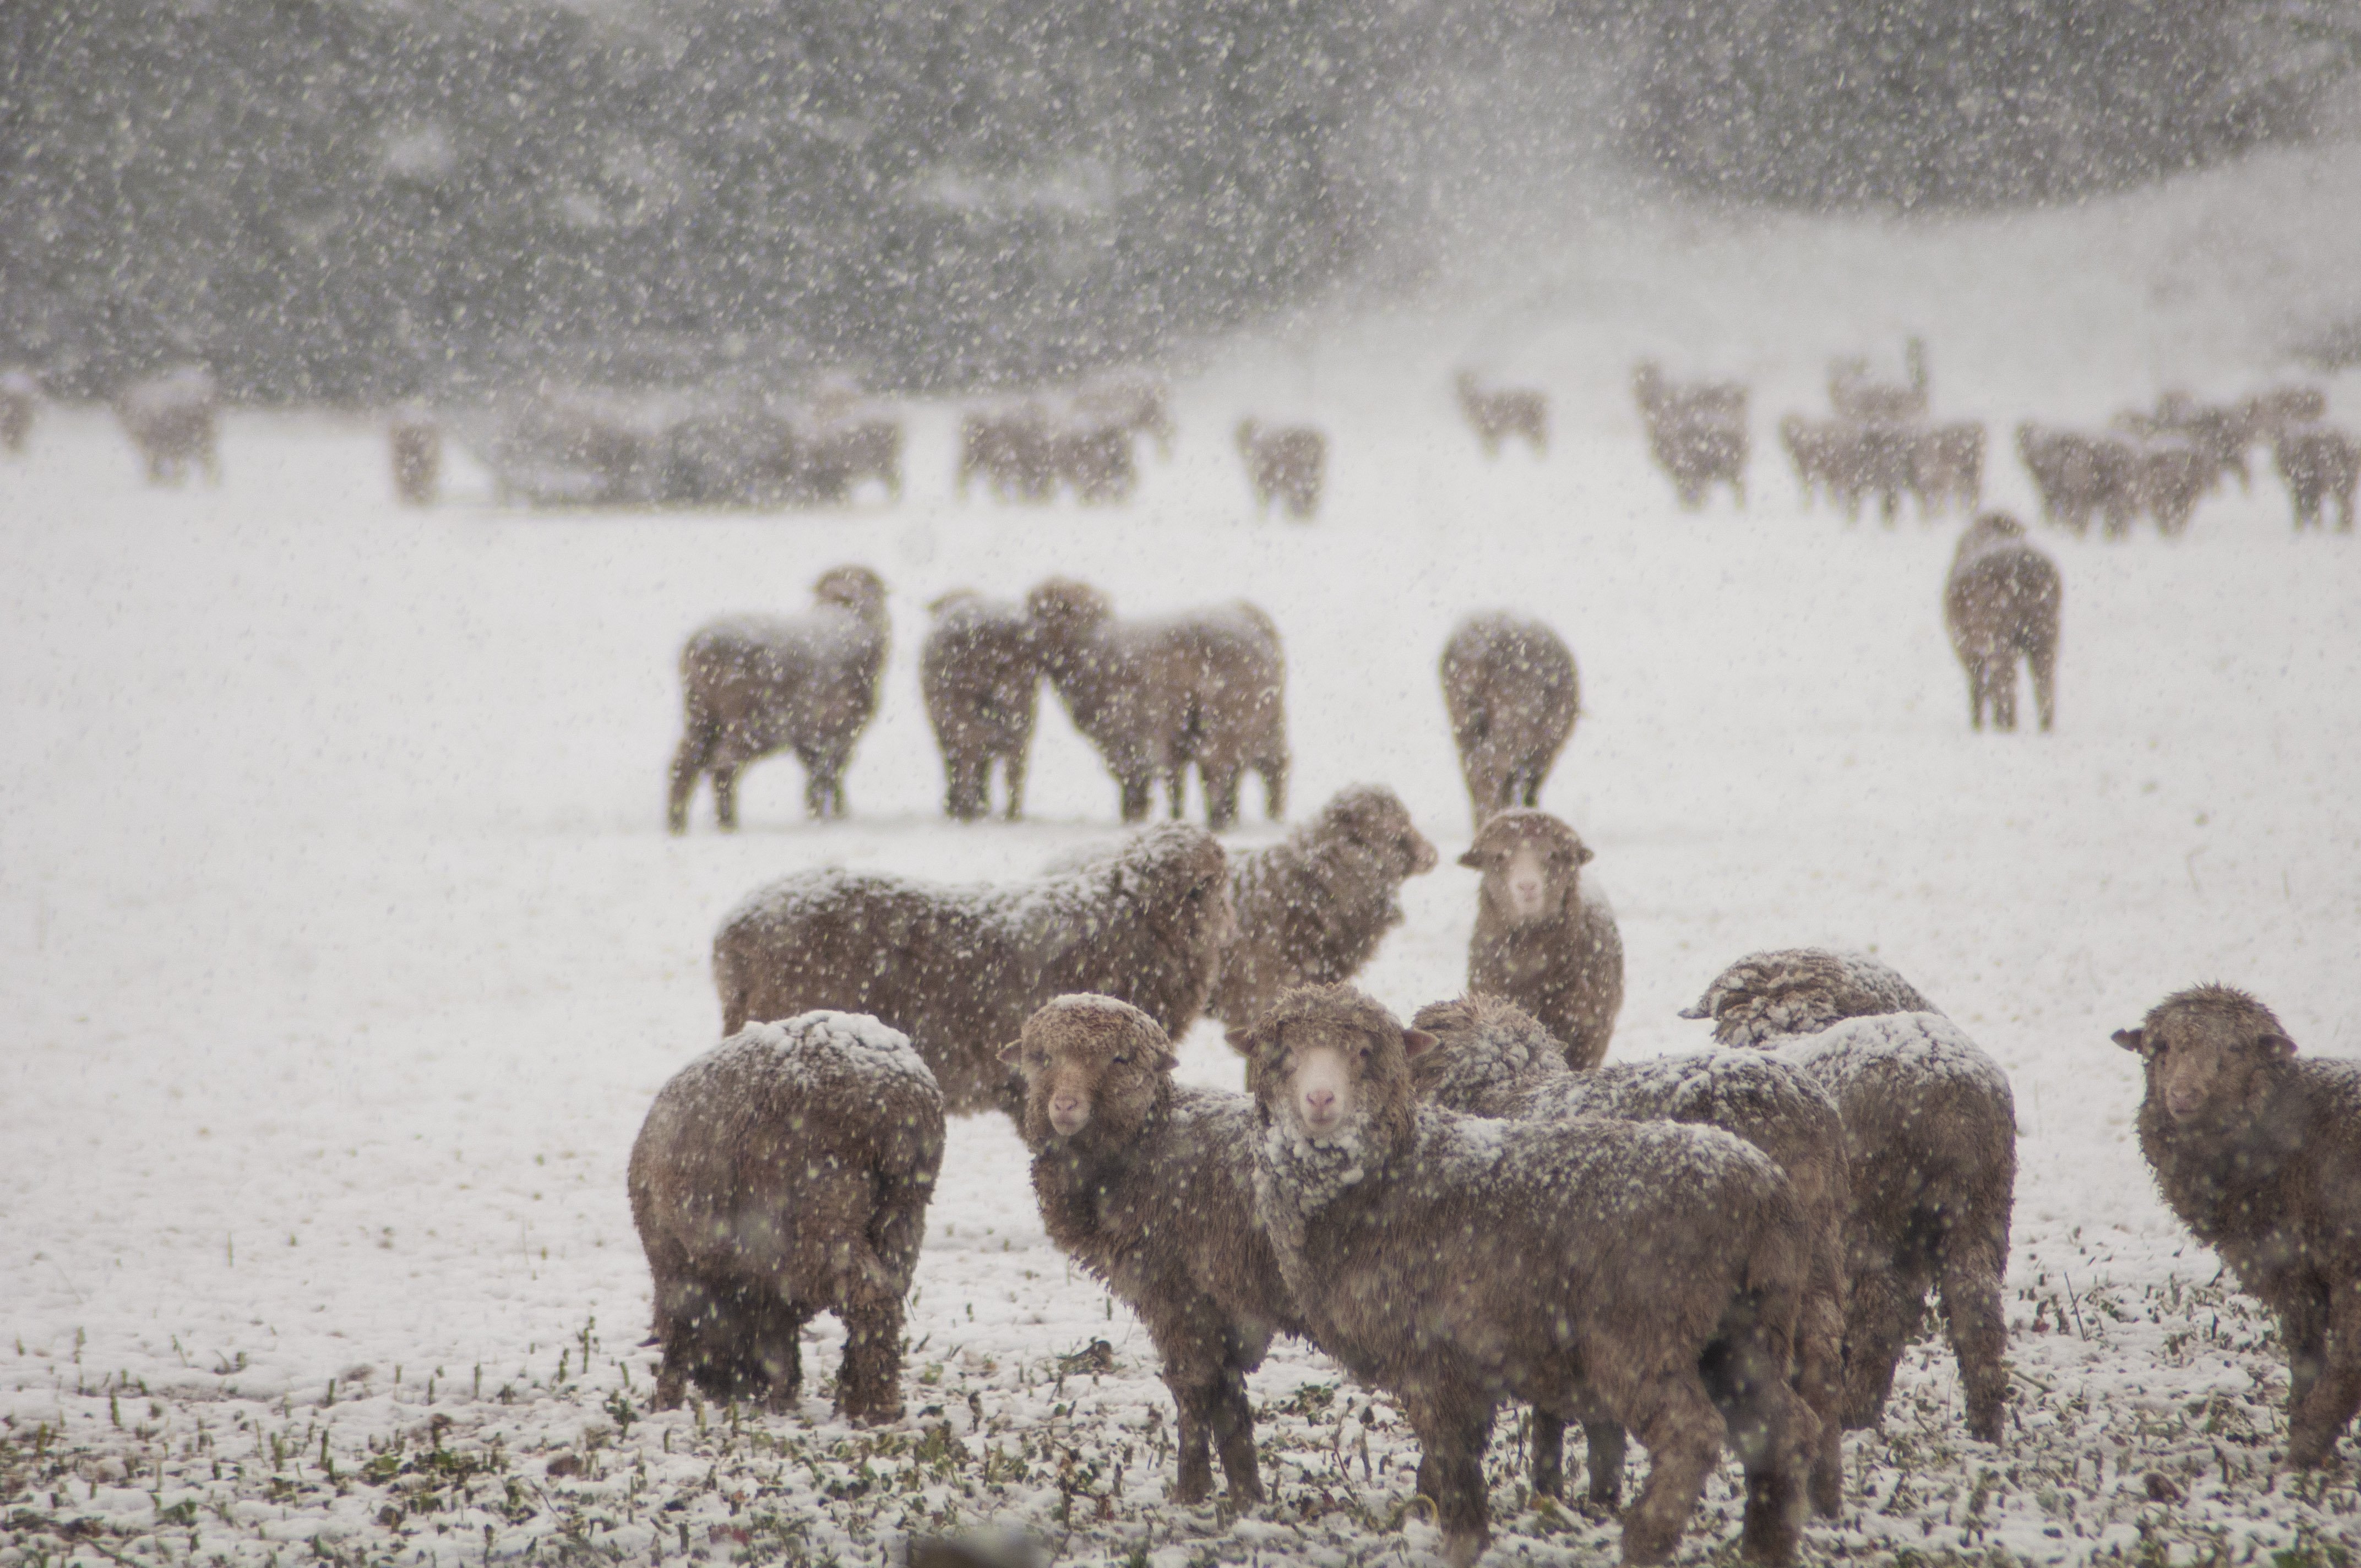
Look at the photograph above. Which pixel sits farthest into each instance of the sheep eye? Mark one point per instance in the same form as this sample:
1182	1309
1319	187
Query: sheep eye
1120	1058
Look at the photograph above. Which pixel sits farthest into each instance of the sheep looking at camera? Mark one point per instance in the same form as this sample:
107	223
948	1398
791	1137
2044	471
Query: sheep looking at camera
1544	938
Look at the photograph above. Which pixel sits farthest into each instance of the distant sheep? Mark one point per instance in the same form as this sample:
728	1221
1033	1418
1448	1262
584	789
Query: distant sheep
1150	1186
1696	432
1512	692
1543	940
2079	475
174	421
2000	603
1500	412
1930	1133
1205	688
2170	477
960	968
982	686
836	455
1013	451
2221	435
1136	401
1096	457
783	1174
1313	907
416	441
1491	1059
1947	467
2318	463
754	685
20	397
2259	1152
1287	464
1855	394
2271	412
1646	1274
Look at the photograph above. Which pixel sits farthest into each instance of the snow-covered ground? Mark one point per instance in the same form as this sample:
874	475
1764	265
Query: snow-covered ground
342	948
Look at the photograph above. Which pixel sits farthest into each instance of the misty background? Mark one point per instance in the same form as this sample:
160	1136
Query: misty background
351	200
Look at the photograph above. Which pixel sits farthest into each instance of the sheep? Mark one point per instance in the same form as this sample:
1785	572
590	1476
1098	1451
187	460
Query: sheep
20	398
755	683
782	1174
1150	1186
1855	396
839	452
1012	450
2000	603
1504	411
1206	688
587	448
2280	408
1314	906
1647	1274
1513	694
1287	464
2318	463
1544	939
2257	1151
2171	476
2220	436
1491	1059
739	454
982	687
960	968
1822	451
173	420
1095	456
416	441
1930	1139
1136	401
1946	466
1695	433
2077	475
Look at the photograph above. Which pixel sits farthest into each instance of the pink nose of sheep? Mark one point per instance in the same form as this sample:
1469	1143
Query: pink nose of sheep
1528	880
1068	1112
1323	1091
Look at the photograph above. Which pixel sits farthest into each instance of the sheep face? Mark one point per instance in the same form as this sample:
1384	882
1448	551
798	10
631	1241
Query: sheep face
1531	864
1800	990
1993	528
2205	1050
856	588
1185	890
1326	1060
1090	1061
1377	821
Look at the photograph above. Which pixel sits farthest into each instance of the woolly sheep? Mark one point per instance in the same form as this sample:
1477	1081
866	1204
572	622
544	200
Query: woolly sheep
1287	464
173	420
982	687
2000	603
1855	394
783	1174
1513	694
1148	1185
2259	1152
1646	1274
1499	413
1543	940
753	685
1696	432
2318	463
960	968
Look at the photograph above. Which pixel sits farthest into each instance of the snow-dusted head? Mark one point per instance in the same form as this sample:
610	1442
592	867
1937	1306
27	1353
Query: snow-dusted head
1989	531
1374	817
1801	991
1485	1048
1089	1062
856	588
2209	1052
1330	1065
1177	877
1065	613
1531	864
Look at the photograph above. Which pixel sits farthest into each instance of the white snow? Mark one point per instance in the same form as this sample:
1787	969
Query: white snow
344	948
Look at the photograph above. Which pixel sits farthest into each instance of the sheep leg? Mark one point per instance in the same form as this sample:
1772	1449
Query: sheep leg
1970	1285
965	798
870	1384
1013	766
687	763
1677	1424
1605	1443
1780	1433
2000	683
1274	788
1819	1370
2043	661
1137	791
724	794
1220	795
1976	694
1548	1462
1451	1441
2303	1326
1230	1417
1176	789
771	1358
1886	1308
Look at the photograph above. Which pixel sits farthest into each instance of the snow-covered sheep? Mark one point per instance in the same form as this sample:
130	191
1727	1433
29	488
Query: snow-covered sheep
754	685
1135	400
1696	431
173	420
1206	688
1287	464
1497	413
2078	475
1013	450
1492	1059
2318	463
1543	940
2000	603
1647	1274
1097	456
982	687
1513	694
1930	1140
960	968
415	442
1313	907
1150	1186
2259	1152
1947	466
783	1174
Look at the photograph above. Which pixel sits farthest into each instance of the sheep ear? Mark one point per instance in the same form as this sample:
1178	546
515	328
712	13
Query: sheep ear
1472	859
1584	856
1240	1040
1416	1043
2277	1045
2131	1040
1012	1054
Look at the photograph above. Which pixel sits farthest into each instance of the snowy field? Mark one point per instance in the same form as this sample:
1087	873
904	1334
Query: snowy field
344	948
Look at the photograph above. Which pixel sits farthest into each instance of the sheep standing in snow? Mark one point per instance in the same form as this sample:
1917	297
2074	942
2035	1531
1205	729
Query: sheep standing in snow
2259	1153
1150	1186
2078	475
1696	431
173	419
1012	450
1095	455
20	397
1134	402
1947	467
1491	1059
783	1174
1646	1274
2000	603
416	441
982	687
1930	1139
1855	394
960	968
2318	463
1313	907
753	685
1510	686
1287	464
834	455
1498	412
1204	688
1542	940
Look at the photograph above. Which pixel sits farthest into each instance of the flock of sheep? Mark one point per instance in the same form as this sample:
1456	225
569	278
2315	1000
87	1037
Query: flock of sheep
1728	1249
